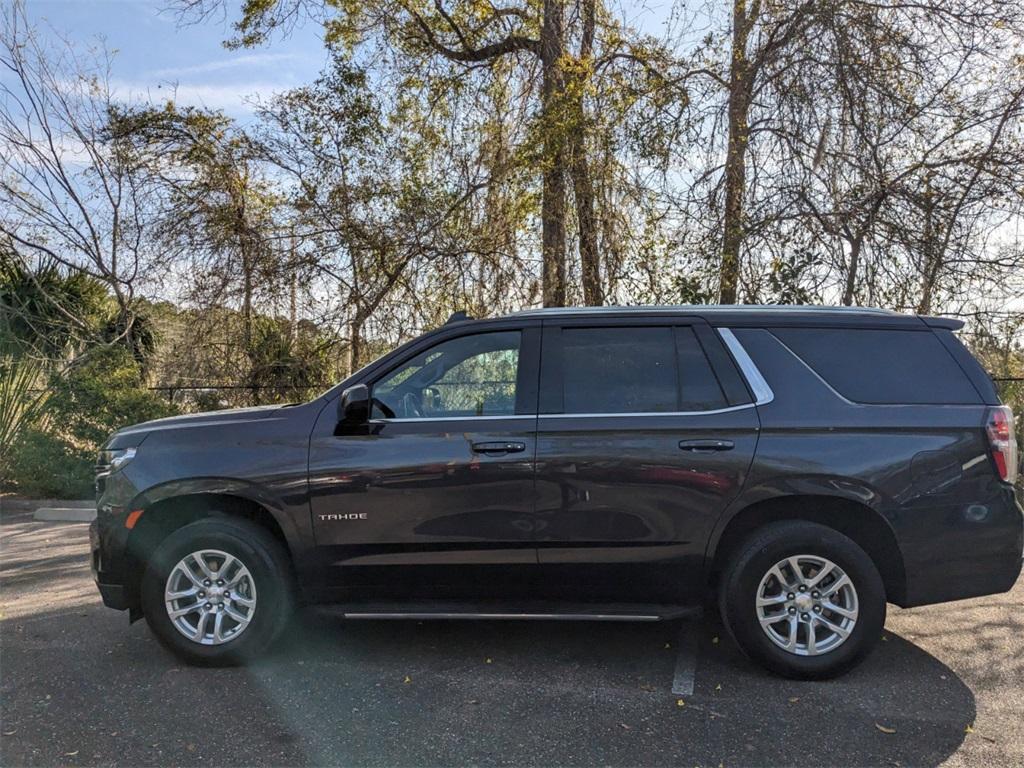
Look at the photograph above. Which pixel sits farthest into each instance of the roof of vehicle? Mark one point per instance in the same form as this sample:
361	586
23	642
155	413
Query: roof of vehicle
757	314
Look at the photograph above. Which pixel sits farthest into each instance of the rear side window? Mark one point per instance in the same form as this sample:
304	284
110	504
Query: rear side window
882	367
636	370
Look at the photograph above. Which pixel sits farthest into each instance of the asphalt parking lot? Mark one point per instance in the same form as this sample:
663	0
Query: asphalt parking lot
79	686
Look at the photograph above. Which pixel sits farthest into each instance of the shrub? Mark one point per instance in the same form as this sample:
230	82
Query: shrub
96	397
45	465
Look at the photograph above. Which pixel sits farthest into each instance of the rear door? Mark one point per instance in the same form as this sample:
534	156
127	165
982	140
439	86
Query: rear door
642	441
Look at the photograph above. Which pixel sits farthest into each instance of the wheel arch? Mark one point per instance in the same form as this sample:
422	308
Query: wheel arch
861	523
164	512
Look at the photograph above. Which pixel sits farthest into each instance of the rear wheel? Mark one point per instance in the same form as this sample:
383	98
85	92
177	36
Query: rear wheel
217	591
803	600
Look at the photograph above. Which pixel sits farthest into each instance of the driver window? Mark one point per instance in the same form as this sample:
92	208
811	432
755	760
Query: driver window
468	376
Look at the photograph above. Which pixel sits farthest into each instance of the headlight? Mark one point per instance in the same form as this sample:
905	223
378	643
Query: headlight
111	461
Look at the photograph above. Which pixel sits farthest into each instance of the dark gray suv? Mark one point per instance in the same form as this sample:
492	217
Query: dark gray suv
804	466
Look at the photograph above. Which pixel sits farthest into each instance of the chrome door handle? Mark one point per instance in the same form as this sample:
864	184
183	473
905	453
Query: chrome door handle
498	447
706	445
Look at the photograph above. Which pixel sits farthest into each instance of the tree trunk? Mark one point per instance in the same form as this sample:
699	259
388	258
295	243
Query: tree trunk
293	289
355	343
736	152
582	183
851	271
932	255
583	192
247	289
553	204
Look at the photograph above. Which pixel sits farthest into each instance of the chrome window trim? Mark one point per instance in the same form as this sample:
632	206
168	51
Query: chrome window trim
632	414
396	420
762	392
763	395
644	413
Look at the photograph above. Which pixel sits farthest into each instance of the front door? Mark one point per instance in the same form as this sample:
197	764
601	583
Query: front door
641	444
437	499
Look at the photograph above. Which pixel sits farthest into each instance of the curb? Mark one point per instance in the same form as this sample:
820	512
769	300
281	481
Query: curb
18	504
64	515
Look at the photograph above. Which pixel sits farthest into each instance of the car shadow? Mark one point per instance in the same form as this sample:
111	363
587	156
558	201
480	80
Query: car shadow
454	692
576	694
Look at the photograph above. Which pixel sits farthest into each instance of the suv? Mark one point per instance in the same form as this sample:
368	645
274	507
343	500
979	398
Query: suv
804	465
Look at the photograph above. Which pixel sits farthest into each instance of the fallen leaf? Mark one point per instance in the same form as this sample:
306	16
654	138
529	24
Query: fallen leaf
488	661
885	639
627	727
969	729
407	679
71	754
10	733
794	699
885	729
714	640
718	687
667	646
680	703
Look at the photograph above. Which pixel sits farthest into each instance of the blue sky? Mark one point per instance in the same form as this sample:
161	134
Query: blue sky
156	58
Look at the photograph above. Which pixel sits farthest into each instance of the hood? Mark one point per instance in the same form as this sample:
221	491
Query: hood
135	434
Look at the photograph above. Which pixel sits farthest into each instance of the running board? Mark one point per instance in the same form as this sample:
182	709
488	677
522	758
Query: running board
433	611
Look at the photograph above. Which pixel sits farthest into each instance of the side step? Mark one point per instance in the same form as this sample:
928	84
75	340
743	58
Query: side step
446	610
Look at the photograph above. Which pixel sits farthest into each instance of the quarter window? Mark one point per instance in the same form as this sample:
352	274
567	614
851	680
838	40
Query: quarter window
882	366
468	376
636	370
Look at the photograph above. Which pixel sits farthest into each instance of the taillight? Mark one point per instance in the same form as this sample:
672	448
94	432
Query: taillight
1003	439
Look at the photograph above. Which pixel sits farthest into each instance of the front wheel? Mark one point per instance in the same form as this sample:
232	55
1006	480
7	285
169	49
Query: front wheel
803	600
218	591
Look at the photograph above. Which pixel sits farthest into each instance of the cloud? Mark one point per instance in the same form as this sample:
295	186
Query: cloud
219	65
233	99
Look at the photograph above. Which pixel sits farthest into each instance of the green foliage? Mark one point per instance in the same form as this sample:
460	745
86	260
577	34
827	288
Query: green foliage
288	366
690	289
101	394
45	465
47	311
96	396
22	398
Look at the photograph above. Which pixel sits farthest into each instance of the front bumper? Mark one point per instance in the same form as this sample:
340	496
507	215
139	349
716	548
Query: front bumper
104	561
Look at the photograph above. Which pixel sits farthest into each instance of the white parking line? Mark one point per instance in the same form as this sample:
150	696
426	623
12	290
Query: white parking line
686	660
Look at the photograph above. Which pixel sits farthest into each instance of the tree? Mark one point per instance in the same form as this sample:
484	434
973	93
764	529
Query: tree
375	200
458	45
218	209
70	192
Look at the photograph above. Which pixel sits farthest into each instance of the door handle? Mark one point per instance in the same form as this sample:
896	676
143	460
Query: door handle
499	447
706	445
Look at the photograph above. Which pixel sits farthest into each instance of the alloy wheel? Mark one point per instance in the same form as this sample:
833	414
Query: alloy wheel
210	597
807	605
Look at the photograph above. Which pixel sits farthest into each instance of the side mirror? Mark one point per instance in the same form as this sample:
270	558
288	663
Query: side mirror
353	410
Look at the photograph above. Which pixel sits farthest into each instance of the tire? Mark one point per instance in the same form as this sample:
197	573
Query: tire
266	584
859	603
